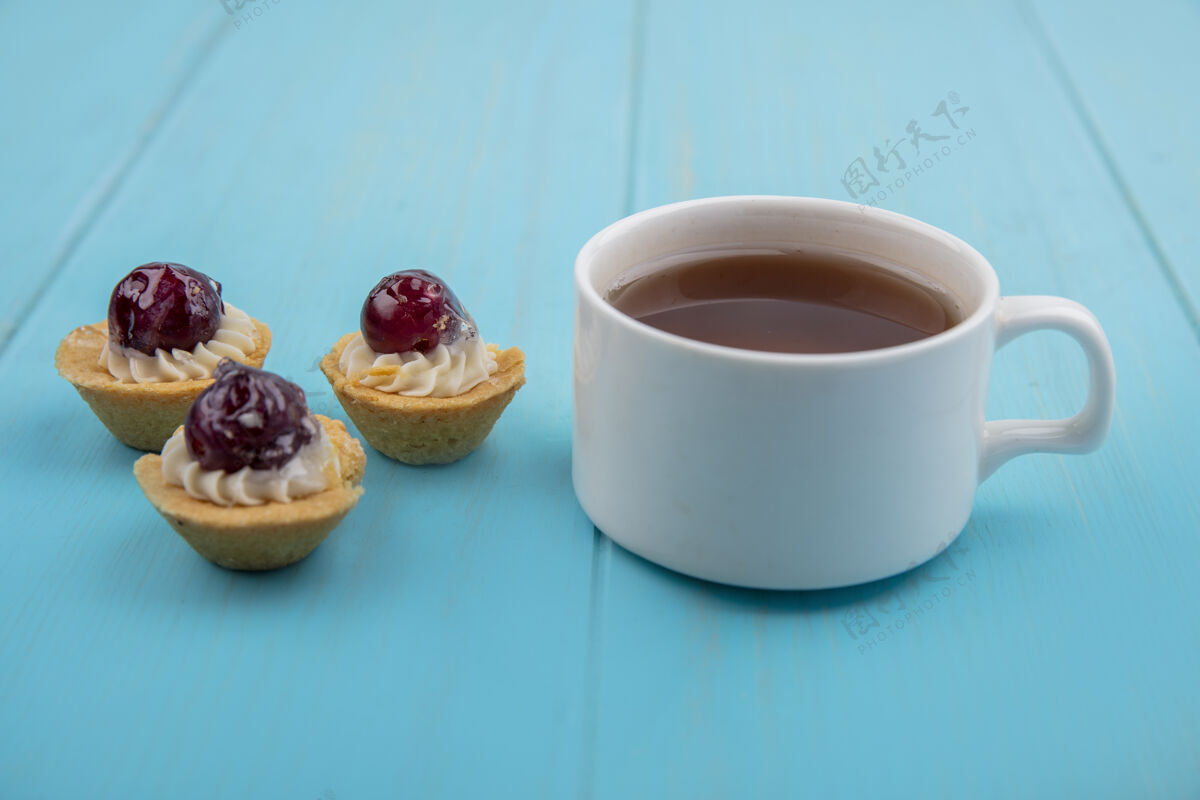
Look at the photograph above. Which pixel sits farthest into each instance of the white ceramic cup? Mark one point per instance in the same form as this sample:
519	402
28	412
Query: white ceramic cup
798	471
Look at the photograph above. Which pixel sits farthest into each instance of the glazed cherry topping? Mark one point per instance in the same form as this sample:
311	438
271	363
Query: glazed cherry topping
247	418
412	310
164	305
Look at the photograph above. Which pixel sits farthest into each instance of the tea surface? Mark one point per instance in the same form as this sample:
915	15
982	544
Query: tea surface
804	301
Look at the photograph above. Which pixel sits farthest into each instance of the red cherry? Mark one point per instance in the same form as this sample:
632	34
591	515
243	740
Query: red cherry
164	305
247	418
412	310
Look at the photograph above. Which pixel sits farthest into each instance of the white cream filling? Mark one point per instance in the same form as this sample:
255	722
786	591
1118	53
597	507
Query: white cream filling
445	371
234	339
314	468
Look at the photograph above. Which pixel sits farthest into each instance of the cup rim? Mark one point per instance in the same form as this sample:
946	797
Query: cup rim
983	311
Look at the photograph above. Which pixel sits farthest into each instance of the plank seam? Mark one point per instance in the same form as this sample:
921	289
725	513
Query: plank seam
97	198
1092	129
601	544
601	554
635	103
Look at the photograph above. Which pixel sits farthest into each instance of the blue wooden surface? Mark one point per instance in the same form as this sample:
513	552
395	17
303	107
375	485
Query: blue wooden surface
466	632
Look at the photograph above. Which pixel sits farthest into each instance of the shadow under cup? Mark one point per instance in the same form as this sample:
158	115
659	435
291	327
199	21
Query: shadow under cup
779	470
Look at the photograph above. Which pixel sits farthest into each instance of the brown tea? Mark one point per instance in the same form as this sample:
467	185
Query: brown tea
798	301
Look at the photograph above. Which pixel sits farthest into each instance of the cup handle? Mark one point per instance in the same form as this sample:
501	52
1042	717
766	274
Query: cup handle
1082	433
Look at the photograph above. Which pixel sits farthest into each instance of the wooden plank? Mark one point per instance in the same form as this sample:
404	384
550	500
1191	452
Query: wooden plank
1135	103
436	644
1049	652
85	88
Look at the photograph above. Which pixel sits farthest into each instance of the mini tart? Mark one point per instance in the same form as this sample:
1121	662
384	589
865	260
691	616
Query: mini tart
141	415
263	537
426	430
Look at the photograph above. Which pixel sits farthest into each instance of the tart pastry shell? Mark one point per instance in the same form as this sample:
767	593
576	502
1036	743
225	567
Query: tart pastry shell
141	415
426	430
266	536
